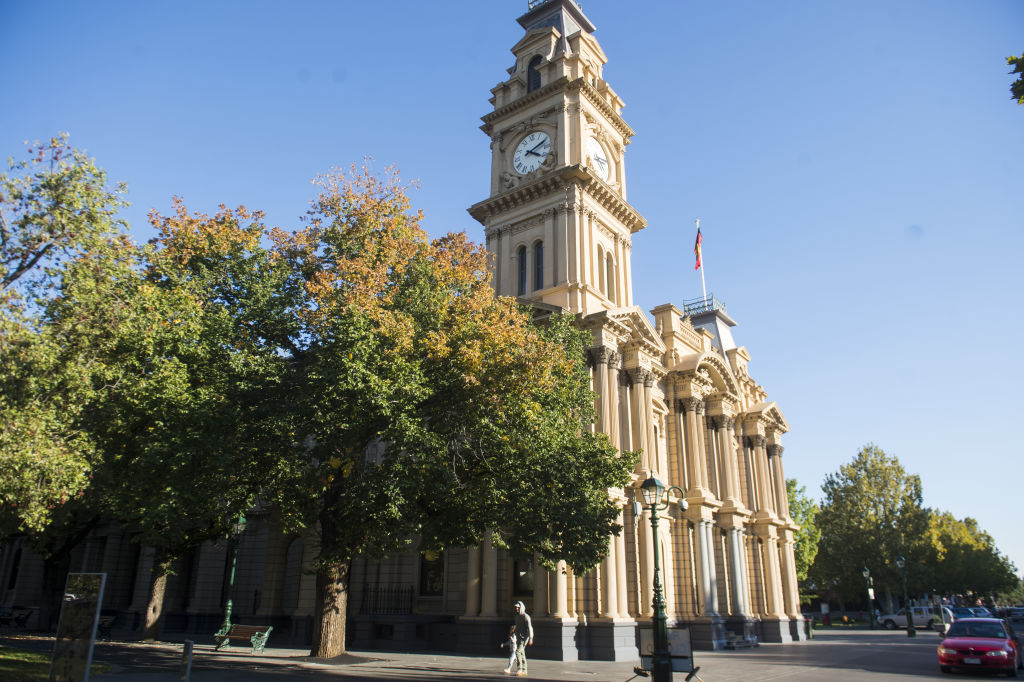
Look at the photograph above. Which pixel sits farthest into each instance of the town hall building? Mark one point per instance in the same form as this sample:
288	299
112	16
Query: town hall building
672	384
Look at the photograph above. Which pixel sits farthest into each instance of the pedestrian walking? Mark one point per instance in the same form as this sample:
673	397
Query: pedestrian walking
510	644
523	629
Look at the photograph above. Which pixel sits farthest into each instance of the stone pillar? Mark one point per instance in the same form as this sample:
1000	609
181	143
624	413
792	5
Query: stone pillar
559	607
489	578
473	581
775	465
599	357
760	460
790	592
626	411
611	390
678	468
709	545
541	578
693	409
619	541
646	551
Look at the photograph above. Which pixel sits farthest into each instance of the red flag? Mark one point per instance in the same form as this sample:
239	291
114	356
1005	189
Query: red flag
696	249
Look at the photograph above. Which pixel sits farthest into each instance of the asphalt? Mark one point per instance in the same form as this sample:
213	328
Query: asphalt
845	654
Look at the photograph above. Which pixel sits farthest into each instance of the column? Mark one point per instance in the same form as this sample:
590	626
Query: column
646	551
678	468
693	458
489	578
473	581
620	571
609	581
551	273
540	589
557	588
775	465
709	544
625	411
701	567
611	390
790	592
772	582
760	461
599	356
738	568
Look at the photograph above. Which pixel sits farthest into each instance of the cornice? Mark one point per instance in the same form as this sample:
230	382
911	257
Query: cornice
522	103
555	182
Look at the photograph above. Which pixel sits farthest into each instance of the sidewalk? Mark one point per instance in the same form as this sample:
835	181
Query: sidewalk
849	654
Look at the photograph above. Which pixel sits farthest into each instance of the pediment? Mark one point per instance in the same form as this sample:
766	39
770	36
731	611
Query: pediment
714	366
770	413
631	325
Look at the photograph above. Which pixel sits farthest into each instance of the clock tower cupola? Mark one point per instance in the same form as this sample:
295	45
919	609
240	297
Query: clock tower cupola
557	221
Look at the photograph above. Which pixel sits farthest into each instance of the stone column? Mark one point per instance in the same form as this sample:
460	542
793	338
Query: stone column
489	579
599	357
609	581
559	606
473	581
626	411
622	595
611	390
775	465
759	459
541	578
678	469
790	592
646	551
709	544
693	408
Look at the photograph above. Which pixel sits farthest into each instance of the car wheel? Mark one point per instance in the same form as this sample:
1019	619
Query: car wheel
889	625
934	625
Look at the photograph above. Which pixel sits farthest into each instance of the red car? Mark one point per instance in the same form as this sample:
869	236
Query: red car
980	643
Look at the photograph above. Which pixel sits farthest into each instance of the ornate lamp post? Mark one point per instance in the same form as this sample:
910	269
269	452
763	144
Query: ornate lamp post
229	572
656	498
911	631
871	596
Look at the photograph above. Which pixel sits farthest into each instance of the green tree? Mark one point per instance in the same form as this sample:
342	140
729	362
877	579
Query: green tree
871	514
1017	87
56	206
965	559
803	510
422	405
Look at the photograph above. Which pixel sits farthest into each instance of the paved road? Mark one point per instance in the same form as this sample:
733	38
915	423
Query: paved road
879	656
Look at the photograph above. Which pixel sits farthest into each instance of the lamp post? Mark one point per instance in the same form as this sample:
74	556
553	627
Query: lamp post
911	631
871	596
655	495
229	572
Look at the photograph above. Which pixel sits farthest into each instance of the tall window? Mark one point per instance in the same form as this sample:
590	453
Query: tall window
533	75
432	574
538	266
521	256
522	577
602	283
609	268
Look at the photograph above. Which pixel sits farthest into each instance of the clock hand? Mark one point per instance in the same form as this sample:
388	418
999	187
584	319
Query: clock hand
539	144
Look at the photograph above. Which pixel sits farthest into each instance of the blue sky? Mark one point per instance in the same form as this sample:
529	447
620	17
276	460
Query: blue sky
856	167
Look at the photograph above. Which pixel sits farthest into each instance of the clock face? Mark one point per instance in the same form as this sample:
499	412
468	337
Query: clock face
598	159
531	152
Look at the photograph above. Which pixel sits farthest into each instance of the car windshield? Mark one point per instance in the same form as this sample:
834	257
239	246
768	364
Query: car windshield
988	630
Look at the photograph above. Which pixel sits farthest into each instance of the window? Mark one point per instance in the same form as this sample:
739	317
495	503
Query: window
522	577
521	256
609	268
602	283
533	75
431	574
538	266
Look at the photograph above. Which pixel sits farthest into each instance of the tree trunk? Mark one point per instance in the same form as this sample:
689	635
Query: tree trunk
155	608
331	610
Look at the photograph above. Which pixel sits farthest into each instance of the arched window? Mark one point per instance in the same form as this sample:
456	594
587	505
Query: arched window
602	284
538	266
609	268
533	75
521	256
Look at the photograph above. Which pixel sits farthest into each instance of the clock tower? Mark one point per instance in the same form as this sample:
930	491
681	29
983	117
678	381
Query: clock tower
557	219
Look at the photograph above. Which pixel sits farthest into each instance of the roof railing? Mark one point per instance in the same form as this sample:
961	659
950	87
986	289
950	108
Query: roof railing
703	305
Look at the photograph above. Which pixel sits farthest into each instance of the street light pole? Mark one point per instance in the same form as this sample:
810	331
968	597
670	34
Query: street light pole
655	495
871	596
911	630
229	573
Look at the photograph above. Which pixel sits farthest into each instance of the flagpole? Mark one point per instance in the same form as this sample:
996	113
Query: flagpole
703	287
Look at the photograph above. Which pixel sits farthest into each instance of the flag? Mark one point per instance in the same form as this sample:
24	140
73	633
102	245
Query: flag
696	249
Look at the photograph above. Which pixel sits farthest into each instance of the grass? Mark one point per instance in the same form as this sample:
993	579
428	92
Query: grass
18	665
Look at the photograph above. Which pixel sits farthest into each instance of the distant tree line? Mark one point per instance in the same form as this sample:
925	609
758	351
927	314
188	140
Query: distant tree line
871	514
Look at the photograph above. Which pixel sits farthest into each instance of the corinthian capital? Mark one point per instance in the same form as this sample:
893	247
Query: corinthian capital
775	450
755	441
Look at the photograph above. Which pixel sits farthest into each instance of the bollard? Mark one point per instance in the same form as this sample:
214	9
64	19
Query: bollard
186	661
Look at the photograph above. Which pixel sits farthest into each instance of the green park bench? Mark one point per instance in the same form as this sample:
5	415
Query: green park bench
257	635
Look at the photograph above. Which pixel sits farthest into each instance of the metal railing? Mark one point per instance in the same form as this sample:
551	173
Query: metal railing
703	305
387	601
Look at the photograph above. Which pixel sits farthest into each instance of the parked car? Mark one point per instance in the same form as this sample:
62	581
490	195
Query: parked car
961	612
980	644
982	612
924	617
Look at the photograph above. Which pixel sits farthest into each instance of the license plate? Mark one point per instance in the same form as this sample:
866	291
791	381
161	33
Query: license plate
974	661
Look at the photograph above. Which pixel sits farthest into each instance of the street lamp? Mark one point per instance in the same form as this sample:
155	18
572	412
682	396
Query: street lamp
871	596
911	632
656	497
228	584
